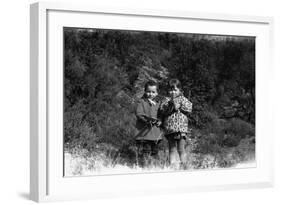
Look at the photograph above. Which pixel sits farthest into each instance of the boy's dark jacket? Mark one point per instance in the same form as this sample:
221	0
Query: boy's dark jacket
146	114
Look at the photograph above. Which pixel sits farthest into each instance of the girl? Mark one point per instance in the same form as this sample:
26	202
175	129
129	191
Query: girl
148	132
174	110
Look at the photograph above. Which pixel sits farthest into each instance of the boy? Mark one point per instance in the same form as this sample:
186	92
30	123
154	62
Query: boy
148	132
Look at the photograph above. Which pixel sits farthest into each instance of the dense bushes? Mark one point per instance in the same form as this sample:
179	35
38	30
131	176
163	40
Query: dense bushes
105	72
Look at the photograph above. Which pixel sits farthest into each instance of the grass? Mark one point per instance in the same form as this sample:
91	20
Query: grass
106	159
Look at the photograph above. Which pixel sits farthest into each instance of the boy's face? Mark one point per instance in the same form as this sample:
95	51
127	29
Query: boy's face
151	92
174	92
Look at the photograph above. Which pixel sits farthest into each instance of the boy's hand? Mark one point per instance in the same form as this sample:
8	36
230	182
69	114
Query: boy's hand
158	123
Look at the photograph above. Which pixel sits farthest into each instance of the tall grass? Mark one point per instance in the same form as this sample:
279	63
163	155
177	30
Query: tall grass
109	160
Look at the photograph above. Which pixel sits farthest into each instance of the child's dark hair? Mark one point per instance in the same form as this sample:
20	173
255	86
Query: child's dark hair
150	83
174	83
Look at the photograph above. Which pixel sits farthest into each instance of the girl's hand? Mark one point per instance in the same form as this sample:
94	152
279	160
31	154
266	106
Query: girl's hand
176	106
170	106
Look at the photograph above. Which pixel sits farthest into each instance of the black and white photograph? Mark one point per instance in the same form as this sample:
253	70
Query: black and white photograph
148	102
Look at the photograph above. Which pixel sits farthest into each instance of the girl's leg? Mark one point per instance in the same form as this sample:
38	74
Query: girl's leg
181	150
172	150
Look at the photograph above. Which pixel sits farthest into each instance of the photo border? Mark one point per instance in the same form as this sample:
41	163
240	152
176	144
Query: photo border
39	93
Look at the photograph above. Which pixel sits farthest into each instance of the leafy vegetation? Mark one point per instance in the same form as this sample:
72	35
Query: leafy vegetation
104	74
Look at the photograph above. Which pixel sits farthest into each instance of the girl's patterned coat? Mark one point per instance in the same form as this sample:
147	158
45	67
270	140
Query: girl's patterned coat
175	121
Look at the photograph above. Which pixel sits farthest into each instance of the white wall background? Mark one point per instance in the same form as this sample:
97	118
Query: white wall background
14	102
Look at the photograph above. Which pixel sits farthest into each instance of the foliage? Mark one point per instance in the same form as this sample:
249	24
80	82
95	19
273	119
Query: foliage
104	75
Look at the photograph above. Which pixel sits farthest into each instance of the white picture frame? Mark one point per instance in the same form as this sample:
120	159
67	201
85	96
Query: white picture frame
46	65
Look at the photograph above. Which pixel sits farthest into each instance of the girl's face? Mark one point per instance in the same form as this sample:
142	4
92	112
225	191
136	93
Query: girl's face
174	92
151	92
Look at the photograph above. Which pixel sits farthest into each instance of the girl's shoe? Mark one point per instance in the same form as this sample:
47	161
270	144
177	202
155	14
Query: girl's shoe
183	166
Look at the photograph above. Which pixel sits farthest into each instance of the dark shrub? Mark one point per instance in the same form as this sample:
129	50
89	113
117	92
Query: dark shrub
239	128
